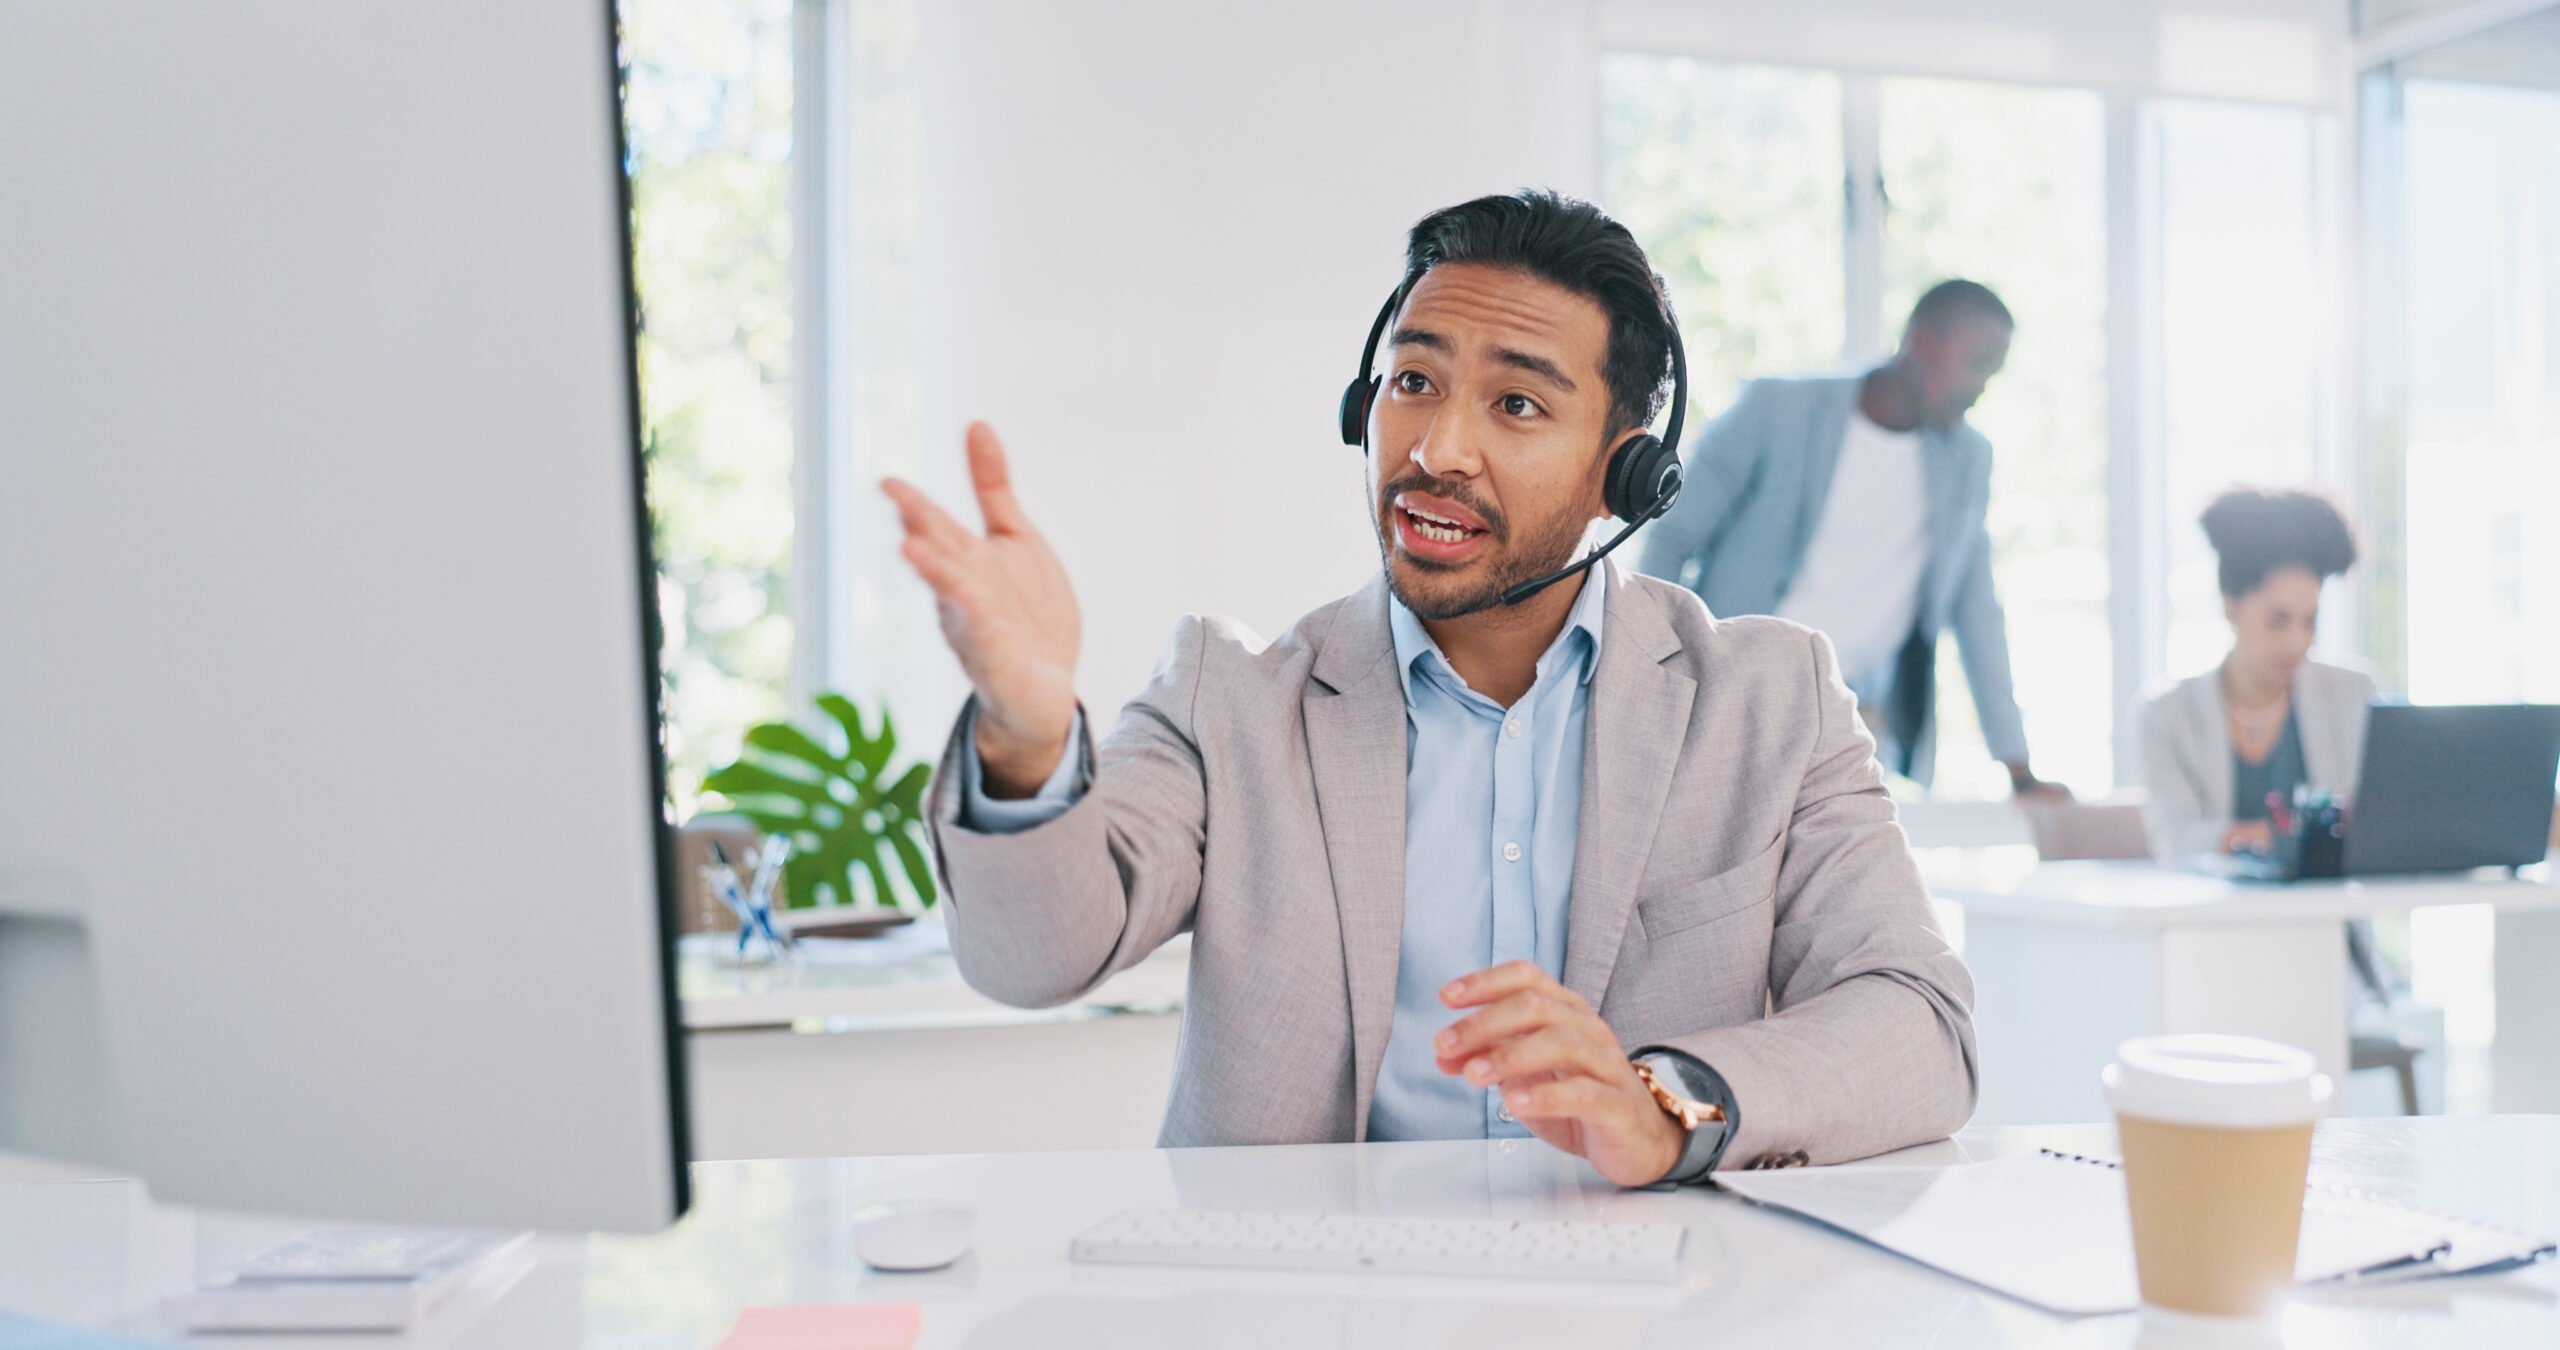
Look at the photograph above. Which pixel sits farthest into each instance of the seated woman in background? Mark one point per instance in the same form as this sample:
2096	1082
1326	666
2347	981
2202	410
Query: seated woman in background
2269	718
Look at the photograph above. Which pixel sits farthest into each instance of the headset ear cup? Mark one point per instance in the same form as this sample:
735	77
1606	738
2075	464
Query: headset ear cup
1355	411
1667	481
1628	490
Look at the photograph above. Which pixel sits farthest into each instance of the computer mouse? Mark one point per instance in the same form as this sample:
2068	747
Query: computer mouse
900	1235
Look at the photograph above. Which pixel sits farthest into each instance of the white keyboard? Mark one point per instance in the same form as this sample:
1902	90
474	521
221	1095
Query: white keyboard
1501	1248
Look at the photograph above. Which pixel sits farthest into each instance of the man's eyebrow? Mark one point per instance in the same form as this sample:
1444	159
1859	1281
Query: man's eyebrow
1535	365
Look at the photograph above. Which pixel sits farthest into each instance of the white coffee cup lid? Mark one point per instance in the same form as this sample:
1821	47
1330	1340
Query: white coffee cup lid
2231	1082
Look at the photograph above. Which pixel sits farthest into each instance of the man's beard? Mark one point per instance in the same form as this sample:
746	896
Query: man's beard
1554	546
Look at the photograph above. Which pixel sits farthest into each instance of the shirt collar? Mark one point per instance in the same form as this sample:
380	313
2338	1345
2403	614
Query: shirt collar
1578	641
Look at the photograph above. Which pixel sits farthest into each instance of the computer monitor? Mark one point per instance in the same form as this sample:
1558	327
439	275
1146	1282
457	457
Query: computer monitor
333	864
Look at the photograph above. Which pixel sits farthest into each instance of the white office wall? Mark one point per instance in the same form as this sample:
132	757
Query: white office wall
1145	238
1151	235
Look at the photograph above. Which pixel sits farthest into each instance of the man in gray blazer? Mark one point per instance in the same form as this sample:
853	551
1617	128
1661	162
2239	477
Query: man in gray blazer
1856	506
1595	867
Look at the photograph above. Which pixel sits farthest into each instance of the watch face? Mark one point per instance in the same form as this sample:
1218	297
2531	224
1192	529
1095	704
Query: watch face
1674	1075
1688	1111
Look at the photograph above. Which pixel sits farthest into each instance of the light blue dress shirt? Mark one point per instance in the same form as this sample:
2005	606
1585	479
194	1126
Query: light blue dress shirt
1492	801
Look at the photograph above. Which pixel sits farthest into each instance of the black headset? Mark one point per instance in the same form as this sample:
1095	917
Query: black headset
1643	478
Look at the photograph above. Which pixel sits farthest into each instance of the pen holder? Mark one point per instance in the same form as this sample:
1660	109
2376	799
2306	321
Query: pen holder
760	938
2311	837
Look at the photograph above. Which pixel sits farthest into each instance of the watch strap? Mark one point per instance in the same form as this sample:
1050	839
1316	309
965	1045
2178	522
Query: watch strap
1686	1076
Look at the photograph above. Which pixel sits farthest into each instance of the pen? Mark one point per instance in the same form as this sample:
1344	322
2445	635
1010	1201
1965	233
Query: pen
723	882
769	861
753	916
776	851
723	877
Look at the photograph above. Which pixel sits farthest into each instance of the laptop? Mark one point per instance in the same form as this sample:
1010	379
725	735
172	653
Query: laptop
2447	789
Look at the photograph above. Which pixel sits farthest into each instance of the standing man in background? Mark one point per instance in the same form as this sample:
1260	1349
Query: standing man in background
1855	506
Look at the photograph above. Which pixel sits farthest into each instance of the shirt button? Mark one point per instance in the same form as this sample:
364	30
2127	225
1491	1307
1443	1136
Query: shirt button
1511	728
1503	1114
1511	853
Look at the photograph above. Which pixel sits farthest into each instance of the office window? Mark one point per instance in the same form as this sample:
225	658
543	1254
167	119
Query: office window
2480	227
2006	185
1749	186
1731	177
708	109
2244	313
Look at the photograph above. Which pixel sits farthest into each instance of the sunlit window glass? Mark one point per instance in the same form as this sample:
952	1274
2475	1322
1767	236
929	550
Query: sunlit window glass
2243	315
2006	185
709	117
1730	177
2482	238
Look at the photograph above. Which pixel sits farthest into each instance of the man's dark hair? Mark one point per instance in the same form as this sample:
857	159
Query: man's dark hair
1950	301
2257	532
1577	246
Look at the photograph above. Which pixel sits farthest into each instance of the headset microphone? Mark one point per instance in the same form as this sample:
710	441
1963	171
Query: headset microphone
1526	589
1643	477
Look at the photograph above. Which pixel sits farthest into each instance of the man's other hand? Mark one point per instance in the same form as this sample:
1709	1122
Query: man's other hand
2253	835
1009	614
1560	1069
2023	783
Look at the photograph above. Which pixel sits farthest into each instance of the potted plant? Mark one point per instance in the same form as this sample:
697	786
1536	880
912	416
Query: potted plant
846	811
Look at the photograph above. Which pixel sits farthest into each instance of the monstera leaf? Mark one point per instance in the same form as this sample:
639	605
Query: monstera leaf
842	810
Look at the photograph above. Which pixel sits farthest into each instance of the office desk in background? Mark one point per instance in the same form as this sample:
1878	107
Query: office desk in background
876	1046
765	1233
2070	958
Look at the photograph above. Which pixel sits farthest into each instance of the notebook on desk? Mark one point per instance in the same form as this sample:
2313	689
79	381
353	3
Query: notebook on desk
2052	1229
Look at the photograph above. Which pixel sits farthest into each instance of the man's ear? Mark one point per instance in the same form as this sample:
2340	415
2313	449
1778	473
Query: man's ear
1609	456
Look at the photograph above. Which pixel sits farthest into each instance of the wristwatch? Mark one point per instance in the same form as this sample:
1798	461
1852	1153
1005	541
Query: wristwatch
1677	1083
1690	1114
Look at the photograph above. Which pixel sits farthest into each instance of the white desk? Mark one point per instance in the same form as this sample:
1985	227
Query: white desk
2072	957
775	1232
866	1047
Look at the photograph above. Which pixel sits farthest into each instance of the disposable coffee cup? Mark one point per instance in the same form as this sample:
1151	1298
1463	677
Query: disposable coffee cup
2216	1133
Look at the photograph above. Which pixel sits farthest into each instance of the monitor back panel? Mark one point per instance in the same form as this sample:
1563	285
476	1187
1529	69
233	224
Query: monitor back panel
325	680
2449	788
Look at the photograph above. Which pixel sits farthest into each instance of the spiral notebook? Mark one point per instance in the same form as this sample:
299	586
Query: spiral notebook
2052	1229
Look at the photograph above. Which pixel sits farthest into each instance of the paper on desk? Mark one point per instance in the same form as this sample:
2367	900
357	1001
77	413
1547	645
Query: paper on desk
2051	1231
2475	1249
827	1326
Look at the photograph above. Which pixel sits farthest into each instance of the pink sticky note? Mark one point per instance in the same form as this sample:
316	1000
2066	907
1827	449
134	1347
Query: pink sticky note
827	1326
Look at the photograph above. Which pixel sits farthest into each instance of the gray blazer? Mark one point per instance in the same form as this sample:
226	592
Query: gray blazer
2186	751
1741	889
1757	482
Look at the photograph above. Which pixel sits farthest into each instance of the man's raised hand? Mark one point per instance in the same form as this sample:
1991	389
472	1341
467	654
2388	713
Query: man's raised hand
1009	614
